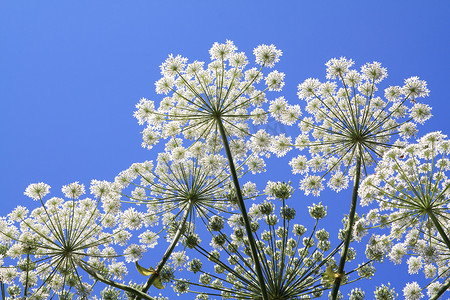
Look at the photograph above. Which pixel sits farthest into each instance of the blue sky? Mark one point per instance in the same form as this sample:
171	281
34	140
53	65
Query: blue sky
72	72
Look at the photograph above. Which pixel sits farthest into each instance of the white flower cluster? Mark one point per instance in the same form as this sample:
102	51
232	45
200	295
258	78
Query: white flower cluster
286	251
199	95
210	120
202	98
412	190
51	244
349	121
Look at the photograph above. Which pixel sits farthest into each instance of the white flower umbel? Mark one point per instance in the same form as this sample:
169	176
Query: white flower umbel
200	95
298	263
178	189
412	291
350	127
213	103
412	190
51	244
349	121
172	186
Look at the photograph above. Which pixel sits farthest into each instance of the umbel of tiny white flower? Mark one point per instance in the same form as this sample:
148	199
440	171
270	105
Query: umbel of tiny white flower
348	121
205	104
298	265
56	240
385	292
412	190
180	188
350	127
202	96
173	186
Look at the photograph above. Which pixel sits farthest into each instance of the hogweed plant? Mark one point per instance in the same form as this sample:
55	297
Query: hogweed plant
52	245
216	102
296	264
350	127
412	190
178	190
191	193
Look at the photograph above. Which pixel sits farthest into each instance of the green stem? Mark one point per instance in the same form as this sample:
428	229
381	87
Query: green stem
447	242
25	292
237	187
348	233
441	291
283	249
439	228
169	250
117	285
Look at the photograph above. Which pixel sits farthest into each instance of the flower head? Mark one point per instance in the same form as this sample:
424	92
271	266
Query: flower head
286	251
351	123
57	240
267	55
412	291
204	98
37	191
411	188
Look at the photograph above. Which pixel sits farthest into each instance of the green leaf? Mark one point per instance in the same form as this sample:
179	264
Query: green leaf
144	271
157	283
147	272
330	276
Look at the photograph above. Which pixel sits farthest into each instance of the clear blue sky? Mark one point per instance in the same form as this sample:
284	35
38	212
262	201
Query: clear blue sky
71	72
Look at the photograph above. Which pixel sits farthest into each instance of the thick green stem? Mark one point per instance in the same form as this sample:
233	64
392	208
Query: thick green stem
440	229
447	242
237	187
441	291
25	292
348	233
169	250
